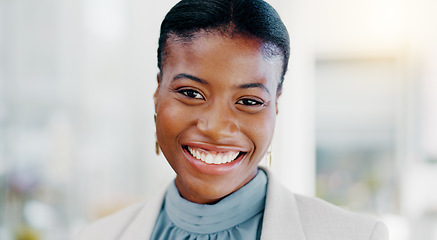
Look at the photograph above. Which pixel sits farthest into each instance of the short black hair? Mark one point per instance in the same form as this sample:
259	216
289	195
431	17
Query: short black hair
248	18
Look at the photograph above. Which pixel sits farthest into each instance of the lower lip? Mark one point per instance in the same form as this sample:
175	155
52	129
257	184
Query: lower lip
213	169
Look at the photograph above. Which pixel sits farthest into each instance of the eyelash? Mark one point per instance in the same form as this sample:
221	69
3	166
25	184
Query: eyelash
243	101
190	92
250	102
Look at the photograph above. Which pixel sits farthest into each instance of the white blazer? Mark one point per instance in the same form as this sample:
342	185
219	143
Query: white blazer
286	216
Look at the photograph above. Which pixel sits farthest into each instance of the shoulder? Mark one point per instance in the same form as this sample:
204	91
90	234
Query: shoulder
330	220
289	215
112	226
132	222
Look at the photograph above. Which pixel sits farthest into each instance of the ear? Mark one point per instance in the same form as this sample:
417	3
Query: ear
278	94
155	95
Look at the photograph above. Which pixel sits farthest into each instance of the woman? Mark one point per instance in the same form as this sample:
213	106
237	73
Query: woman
222	65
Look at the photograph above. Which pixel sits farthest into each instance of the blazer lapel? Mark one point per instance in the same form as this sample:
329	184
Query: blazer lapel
142	225
281	214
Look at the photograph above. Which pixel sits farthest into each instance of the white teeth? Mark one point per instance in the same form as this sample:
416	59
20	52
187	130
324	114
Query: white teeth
213	157
209	158
218	159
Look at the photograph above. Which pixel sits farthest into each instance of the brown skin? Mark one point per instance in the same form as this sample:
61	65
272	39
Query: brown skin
217	112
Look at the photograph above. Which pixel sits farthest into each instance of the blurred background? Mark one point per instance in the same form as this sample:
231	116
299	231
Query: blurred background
357	124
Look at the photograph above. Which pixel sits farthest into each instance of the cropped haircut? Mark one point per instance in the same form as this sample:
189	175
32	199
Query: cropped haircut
247	18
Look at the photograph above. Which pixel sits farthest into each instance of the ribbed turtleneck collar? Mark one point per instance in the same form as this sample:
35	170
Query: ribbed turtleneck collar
234	209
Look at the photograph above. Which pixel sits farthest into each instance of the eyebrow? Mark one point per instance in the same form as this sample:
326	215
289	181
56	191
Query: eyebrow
243	86
254	85
184	75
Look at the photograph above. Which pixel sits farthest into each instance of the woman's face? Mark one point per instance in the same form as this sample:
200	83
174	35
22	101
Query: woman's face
216	105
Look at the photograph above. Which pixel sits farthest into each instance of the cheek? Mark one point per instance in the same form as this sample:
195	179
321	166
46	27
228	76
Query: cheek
169	123
260	130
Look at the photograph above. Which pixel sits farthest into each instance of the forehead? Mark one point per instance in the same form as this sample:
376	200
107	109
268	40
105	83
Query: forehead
198	39
242	56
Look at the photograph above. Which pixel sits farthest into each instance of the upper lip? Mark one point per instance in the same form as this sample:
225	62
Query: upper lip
215	147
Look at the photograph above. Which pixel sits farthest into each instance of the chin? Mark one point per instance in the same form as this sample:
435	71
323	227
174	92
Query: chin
211	188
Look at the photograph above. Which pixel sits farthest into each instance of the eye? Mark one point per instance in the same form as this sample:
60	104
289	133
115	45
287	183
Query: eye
250	102
191	93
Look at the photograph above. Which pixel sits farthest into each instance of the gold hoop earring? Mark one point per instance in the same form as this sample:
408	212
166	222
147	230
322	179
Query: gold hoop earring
157	148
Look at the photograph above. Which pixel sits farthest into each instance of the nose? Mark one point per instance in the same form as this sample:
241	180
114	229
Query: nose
218	122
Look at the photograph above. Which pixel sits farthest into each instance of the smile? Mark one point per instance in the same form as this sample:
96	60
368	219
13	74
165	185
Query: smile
213	157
